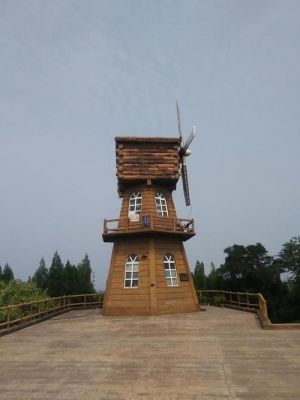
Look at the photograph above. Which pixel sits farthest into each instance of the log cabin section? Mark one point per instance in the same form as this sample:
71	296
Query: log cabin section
149	272
147	159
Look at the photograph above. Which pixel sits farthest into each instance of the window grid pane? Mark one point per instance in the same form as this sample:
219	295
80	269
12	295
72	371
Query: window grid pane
131	271
161	205
170	270
135	203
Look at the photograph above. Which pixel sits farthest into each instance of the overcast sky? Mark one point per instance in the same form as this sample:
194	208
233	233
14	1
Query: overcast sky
75	74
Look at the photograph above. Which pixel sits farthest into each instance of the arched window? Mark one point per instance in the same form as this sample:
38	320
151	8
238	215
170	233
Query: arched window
132	264
135	204
161	205
170	270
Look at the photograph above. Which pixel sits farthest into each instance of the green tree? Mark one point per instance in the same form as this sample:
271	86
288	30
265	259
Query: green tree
289	257
41	275
212	281
72	279
199	276
85	276
56	277
7	274
251	269
247	268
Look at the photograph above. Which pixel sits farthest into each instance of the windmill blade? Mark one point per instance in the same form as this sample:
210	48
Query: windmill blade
189	140
185	183
178	121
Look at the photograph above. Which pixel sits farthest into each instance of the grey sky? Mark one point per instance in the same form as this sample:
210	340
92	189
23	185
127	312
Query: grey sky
75	74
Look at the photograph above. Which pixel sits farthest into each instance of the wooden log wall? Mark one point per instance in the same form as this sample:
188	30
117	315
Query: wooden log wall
147	158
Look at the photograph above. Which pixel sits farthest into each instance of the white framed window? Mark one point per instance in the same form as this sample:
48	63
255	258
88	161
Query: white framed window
132	265
161	205
135	204
170	270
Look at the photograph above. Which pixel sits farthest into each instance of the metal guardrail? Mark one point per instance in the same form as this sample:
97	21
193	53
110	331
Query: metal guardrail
20	313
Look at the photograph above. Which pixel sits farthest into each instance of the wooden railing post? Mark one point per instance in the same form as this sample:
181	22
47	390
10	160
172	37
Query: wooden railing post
84	301
8	317
263	308
247	299
238	298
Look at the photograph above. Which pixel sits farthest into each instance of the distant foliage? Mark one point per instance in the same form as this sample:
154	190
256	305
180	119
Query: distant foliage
6	274
61	280
40	277
199	276
16	292
252	269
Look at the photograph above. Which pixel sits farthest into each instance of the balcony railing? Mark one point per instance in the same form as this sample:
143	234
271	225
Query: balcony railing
149	223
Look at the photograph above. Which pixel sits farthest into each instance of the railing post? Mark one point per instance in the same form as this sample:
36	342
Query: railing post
238	298
84	301
230	298
247	297
8	317
39	310
263	308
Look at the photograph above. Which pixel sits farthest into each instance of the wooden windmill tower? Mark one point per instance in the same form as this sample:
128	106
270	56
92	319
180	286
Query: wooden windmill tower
149	272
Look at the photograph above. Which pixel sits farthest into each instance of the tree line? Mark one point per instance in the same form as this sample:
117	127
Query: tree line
6	274
252	269
61	280
57	280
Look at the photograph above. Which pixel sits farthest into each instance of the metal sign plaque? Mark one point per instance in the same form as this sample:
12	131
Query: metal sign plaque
184	277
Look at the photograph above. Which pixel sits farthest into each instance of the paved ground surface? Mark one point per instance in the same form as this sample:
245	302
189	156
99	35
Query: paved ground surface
217	354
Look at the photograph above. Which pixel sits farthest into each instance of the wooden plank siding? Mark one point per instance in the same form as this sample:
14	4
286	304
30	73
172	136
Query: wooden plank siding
148	166
136	301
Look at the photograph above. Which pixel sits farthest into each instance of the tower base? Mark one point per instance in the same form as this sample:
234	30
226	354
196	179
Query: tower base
152	296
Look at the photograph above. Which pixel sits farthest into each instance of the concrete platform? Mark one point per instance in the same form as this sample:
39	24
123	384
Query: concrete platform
217	354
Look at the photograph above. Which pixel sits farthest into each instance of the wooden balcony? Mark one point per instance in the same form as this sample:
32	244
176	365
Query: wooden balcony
148	224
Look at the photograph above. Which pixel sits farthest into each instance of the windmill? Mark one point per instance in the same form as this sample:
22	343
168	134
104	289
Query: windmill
149	272
184	152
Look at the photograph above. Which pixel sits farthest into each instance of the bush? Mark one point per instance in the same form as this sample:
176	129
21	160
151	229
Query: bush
17	292
205	299
218	300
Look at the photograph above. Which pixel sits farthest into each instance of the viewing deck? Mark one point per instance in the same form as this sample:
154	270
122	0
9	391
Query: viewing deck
217	354
114	228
